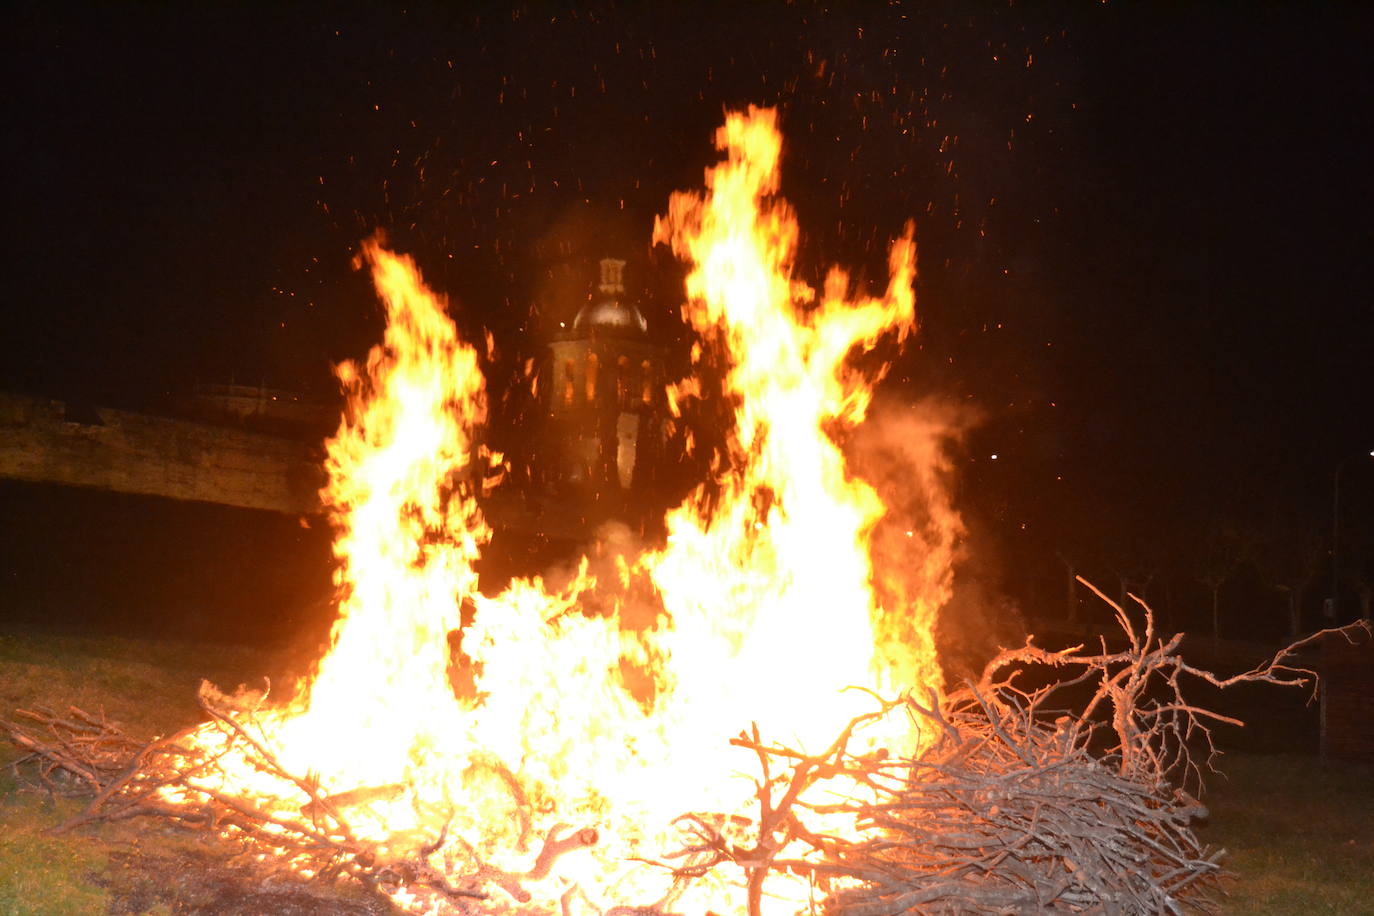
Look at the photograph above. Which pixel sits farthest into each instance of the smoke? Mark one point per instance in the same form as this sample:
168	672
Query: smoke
980	619
919	548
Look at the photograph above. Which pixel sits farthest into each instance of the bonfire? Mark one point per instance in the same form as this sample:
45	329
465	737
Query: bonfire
770	737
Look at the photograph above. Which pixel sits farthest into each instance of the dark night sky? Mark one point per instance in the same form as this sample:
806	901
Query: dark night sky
1155	218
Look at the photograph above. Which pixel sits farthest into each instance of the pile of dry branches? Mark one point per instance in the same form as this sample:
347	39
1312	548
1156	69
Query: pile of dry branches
1063	797
1056	784
77	754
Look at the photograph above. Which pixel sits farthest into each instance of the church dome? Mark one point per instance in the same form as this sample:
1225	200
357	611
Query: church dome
611	314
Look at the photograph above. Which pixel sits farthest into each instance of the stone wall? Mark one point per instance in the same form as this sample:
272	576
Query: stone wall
46	441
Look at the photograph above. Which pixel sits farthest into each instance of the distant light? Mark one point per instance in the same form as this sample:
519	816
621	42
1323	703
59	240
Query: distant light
994	457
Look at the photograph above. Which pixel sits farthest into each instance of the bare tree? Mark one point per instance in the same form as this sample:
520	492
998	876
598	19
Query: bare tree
1136	566
1226	545
1289	558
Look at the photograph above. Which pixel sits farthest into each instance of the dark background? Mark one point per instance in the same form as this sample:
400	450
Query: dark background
1144	232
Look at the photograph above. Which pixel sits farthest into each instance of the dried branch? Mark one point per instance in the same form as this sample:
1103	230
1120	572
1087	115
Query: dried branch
174	778
1068	796
1055	783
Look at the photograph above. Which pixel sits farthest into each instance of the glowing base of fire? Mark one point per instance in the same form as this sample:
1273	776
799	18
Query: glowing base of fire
490	828
768	607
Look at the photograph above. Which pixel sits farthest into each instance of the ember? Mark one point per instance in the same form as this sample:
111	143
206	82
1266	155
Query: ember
769	610
551	784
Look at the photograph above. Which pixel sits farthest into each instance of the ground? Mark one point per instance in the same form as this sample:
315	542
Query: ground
149	688
1300	834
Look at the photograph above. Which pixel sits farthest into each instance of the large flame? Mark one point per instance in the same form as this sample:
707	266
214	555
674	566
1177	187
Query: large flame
767	590
775	571
409	532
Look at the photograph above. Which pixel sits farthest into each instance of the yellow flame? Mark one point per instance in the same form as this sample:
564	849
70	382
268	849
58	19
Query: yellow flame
774	572
408	533
767	590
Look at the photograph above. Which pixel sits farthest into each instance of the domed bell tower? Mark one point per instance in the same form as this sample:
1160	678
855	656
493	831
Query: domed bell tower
603	392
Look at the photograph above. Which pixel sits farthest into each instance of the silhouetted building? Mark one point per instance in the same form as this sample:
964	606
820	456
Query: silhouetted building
602	389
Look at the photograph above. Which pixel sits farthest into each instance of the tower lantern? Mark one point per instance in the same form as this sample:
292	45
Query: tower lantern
603	395
612	270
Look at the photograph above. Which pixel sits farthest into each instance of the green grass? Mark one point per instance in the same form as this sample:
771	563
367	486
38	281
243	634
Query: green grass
1300	835
39	874
148	688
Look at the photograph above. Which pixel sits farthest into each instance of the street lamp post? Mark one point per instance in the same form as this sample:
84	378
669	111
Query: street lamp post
1336	532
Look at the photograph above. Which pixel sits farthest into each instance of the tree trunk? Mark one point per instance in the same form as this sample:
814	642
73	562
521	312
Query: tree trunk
1294	611
1216	612
1168	605
1071	594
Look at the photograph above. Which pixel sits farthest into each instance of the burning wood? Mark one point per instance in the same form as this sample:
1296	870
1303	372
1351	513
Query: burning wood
377	771
81	754
1024	800
1027	801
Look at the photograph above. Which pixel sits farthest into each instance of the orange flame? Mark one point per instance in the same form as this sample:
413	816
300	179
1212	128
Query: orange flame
768	590
408	531
788	540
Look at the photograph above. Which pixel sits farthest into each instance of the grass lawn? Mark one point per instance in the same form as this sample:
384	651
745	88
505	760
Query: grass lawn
1301	835
137	866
